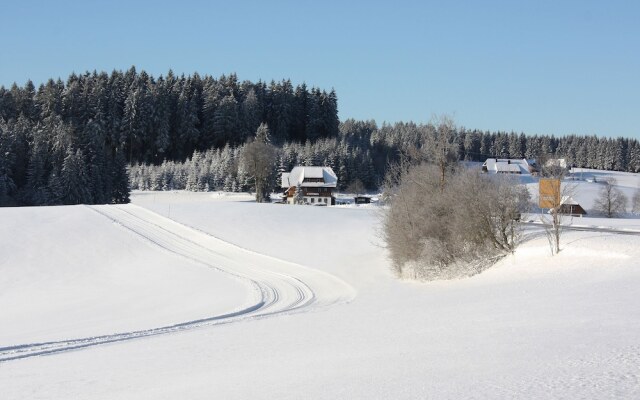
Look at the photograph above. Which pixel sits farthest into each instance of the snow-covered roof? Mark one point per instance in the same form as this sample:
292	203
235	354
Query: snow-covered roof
285	179
507	165
568	200
504	167
298	174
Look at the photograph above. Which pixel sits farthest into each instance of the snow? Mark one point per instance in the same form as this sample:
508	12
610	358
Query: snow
584	185
70	272
298	174
514	166
568	200
623	179
533	326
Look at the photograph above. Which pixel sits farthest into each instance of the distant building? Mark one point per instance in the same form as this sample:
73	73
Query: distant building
317	185
568	206
362	199
557	162
514	166
556	167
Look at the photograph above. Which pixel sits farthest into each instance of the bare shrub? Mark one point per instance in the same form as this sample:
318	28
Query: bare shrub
553	220
459	229
611	201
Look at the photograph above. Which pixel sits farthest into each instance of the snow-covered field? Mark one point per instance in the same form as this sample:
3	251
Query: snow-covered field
584	185
69	272
340	325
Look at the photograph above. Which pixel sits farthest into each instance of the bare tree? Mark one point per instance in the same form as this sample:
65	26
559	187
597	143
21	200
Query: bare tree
611	201
552	223
553	196
258	159
438	147
399	222
442	145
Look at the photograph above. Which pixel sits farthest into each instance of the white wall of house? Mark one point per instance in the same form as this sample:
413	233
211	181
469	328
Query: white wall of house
312	200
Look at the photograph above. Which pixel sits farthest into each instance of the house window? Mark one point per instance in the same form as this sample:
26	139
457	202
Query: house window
313	200
325	199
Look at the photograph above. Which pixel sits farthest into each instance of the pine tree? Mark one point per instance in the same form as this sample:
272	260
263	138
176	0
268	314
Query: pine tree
137	119
300	114
229	184
74	179
25	101
282	110
7	161
120	179
98	165
55	189
161	118
35	191
515	146
251	115
225	121
187	116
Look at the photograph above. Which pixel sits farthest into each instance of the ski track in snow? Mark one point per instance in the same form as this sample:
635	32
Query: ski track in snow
279	287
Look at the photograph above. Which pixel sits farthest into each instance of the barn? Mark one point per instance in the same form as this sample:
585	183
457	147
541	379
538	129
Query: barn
568	206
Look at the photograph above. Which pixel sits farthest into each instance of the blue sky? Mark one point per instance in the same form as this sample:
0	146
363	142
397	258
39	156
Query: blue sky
540	67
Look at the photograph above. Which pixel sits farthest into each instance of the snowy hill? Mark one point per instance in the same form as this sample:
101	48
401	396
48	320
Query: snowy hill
70	272
533	326
586	184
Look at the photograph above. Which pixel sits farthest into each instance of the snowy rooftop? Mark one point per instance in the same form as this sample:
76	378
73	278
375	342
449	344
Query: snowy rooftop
568	200
507	165
299	174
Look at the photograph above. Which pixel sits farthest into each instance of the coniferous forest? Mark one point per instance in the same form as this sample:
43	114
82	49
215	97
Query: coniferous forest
96	136
70	142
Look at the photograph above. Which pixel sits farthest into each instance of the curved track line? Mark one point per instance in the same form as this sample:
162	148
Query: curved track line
278	286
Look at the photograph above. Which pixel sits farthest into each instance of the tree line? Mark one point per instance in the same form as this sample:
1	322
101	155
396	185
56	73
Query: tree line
363	152
69	142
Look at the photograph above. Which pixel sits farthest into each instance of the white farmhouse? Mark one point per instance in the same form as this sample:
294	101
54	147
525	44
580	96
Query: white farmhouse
509	166
316	183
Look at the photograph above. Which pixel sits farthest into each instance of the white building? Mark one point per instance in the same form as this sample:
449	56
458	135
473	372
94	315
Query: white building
317	184
509	166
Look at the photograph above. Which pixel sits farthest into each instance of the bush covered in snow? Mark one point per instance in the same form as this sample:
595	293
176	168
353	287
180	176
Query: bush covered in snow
436	231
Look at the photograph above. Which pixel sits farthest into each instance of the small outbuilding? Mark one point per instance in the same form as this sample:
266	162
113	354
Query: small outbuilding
362	199
568	206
